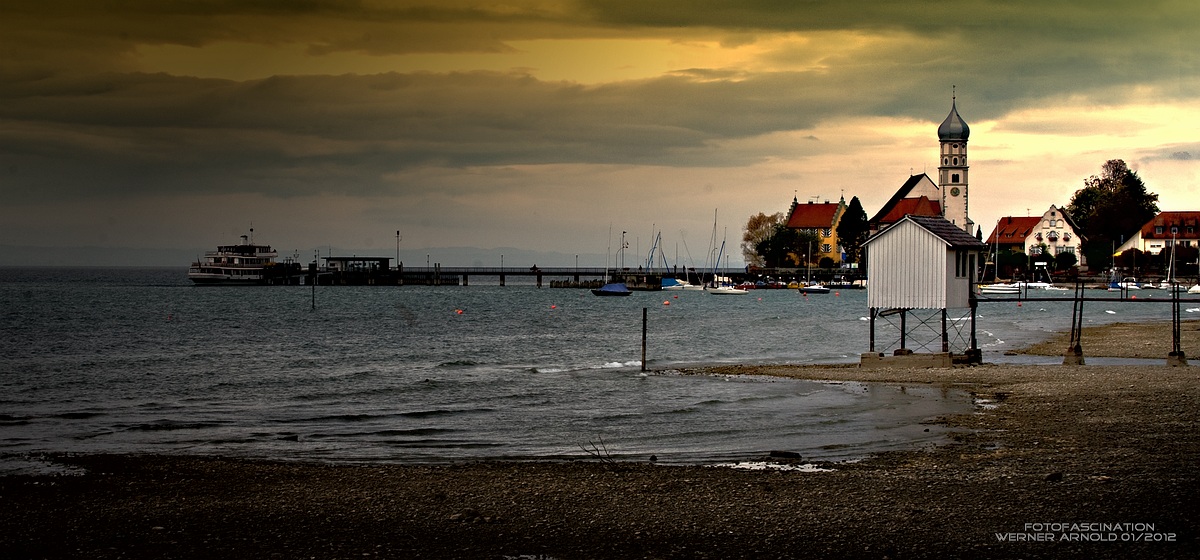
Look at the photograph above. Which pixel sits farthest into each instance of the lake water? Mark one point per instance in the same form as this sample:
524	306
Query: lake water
139	360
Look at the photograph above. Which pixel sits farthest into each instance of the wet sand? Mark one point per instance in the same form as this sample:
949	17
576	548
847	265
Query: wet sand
1047	447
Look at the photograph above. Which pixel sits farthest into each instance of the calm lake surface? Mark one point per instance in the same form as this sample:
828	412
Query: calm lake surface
139	360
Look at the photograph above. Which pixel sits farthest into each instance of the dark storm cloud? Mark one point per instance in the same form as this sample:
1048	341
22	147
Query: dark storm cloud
74	120
133	132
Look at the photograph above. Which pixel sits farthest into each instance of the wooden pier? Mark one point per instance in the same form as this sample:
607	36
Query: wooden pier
380	274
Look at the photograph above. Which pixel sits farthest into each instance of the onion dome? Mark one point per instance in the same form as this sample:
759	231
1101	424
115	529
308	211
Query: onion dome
953	128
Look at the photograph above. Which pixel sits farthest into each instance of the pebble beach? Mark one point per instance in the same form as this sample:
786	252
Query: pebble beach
1054	462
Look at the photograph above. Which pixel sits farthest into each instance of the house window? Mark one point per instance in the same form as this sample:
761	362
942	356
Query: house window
825	248
826	233
954	178
1066	249
1158	230
955	161
1174	230
1052	236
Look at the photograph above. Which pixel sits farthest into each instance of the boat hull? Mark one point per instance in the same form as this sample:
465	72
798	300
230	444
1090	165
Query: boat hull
726	291
609	290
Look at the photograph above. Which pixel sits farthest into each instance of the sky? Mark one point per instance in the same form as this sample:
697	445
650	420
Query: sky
543	125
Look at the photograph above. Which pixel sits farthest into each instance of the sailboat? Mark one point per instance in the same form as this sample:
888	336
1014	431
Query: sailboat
611	288
1170	283
997	287
810	287
721	285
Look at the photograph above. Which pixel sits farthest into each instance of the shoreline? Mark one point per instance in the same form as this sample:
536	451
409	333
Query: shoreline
1049	445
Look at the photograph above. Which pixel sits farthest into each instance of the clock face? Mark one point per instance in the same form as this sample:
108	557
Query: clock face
954	191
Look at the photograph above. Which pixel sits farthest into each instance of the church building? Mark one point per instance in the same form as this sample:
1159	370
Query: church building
947	198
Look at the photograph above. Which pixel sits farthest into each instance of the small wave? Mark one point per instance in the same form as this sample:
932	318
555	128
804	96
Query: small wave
443	412
335	418
77	415
9	420
412	432
458	364
1193	310
684	410
169	425
443	444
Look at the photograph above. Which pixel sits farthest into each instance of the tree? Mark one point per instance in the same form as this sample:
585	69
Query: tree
1110	207
786	247
1064	261
852	230
759	228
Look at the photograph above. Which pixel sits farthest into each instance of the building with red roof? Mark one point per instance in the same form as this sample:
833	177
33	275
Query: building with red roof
918	196
1156	235
821	219
1053	233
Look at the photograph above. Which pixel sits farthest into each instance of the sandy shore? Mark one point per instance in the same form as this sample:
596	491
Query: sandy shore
1048	447
1125	340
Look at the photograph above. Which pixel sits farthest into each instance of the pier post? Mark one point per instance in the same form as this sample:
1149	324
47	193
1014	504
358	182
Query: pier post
945	335
1074	354
1175	357
465	280
644	311
501	277
872	314
539	280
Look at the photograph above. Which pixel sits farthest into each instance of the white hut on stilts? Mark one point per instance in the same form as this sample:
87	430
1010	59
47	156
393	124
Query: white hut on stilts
921	267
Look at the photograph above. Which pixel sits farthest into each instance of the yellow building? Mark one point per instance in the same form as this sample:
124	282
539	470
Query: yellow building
821	219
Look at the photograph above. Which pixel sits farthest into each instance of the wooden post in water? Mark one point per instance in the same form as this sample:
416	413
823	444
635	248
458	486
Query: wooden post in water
644	311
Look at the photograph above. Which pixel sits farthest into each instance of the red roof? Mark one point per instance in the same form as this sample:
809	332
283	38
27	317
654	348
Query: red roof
912	207
1014	230
811	215
1186	224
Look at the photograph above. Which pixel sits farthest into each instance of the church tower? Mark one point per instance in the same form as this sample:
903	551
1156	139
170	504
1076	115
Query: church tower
952	171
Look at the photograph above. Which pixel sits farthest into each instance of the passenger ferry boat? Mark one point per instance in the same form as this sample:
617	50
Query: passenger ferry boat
244	264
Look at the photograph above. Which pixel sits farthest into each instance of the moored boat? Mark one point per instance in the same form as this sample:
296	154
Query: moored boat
612	289
244	264
669	283
725	290
813	288
999	288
